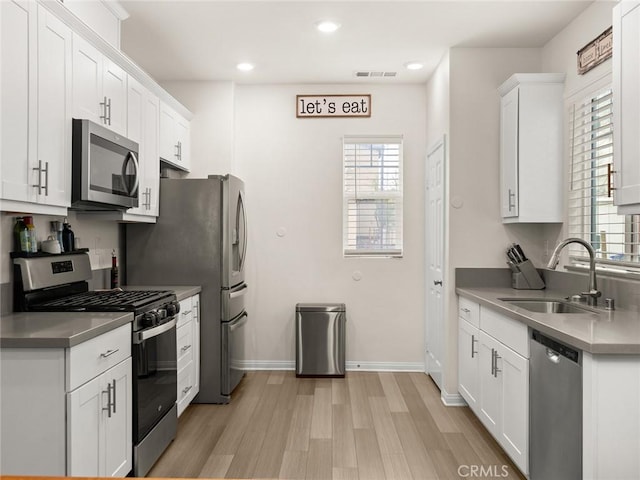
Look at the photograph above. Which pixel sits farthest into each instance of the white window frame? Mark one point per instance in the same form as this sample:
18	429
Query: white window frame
590	199
350	232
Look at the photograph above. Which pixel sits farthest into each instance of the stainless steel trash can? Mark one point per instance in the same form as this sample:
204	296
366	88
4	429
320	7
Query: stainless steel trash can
320	339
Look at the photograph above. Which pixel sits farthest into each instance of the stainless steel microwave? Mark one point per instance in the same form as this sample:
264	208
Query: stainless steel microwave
105	168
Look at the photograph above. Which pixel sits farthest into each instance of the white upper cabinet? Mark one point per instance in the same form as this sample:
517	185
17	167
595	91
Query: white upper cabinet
174	138
531	126
99	87
102	16
626	102
36	109
143	115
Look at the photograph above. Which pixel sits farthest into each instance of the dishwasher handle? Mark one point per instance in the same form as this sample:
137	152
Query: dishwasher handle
553	356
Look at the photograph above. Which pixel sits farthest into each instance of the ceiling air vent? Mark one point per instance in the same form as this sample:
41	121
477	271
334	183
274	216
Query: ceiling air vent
375	74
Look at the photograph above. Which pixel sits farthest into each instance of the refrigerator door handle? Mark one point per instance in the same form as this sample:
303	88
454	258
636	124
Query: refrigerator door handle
238	293
244	232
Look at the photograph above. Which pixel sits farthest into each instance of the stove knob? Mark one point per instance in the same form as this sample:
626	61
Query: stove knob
173	308
149	319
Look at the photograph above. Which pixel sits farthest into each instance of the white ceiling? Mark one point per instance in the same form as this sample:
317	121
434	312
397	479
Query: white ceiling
204	40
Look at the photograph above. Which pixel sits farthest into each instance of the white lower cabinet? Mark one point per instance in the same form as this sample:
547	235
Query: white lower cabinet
68	411
188	351
494	379
99	425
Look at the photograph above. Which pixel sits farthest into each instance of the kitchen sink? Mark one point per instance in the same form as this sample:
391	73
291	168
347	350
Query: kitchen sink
546	306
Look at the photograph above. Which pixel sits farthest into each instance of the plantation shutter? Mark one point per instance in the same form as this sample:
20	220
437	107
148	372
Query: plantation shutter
372	196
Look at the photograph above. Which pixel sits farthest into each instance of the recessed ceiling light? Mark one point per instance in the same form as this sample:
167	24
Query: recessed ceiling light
245	67
414	65
327	26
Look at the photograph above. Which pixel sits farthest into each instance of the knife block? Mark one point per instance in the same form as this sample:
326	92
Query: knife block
527	278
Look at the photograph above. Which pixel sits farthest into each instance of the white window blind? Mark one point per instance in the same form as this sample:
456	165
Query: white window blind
372	196
592	215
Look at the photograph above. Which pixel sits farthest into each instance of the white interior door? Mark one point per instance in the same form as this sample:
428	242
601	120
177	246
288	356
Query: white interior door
434	331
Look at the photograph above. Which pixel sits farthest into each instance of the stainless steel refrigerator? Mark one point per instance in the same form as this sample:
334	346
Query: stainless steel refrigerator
200	238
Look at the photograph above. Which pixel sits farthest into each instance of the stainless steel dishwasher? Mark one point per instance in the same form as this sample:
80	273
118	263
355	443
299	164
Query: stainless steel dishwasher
320	339
555	410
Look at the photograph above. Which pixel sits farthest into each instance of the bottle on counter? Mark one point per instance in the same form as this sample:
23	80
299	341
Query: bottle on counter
31	233
21	235
68	238
56	229
114	270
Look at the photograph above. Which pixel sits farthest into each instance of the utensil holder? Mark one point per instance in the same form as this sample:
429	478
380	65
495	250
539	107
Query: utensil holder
527	278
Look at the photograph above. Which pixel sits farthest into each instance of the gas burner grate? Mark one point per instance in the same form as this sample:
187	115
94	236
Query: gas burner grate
107	299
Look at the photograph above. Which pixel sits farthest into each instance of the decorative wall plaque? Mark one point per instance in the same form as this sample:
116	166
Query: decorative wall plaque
319	106
595	52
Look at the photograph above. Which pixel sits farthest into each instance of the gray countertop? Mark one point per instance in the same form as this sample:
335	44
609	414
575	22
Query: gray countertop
602	332
57	329
181	291
66	329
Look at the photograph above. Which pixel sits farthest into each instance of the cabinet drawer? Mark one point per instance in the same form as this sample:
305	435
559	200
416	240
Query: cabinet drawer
186	311
469	310
184	344
506	330
89	359
185	387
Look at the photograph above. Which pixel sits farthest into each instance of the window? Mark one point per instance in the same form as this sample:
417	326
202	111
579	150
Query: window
372	196
592	215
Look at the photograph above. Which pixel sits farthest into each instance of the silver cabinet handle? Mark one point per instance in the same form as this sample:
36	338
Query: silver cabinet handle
496	370
185	348
512	195
177	154
114	396
108	353
39	170
465	310
196	309
109	107
186	312
103	117
180	150
108	407
473	341
185	390
493	362
437	282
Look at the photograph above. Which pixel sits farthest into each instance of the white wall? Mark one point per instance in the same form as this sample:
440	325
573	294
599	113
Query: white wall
477	237
293	173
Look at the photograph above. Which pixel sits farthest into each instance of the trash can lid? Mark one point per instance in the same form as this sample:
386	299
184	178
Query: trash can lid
320	307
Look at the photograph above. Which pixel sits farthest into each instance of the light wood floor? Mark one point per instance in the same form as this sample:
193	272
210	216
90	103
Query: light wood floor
366	426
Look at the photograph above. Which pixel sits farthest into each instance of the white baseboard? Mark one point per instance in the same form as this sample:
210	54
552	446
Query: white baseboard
452	399
350	366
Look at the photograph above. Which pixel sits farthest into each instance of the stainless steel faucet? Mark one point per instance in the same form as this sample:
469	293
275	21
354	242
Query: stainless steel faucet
593	293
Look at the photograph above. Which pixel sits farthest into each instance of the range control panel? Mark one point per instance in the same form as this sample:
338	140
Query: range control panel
62	267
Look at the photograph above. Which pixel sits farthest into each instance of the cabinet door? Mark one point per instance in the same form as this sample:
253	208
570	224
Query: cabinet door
84	413
490	410
135	130
115	90
17	91
118	448
183	134
151	157
514	430
168	139
196	344
88	101
509	154
54	109
468	363
626	115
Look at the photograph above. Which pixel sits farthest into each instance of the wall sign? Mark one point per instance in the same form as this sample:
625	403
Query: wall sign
595	52
323	106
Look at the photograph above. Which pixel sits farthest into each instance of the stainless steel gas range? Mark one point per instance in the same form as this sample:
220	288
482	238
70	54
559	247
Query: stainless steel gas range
59	283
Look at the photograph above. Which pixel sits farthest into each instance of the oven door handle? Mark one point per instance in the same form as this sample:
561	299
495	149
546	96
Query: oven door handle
139	337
